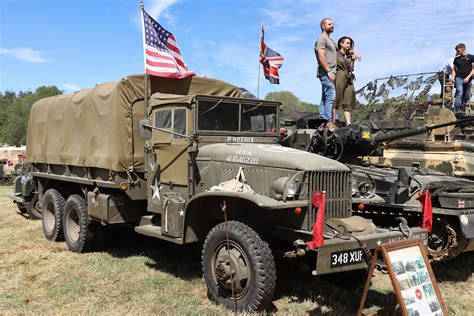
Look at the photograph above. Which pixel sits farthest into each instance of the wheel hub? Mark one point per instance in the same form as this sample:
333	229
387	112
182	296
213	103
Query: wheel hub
231	269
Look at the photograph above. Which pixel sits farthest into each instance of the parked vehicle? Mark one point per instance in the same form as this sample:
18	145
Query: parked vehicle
382	193
197	163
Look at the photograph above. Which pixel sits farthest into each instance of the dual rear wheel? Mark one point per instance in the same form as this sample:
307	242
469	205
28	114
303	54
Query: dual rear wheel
67	220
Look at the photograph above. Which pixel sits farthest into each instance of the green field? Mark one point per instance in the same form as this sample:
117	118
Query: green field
139	275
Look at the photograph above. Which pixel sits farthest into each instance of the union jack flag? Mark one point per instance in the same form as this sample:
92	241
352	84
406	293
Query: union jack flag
270	60
162	55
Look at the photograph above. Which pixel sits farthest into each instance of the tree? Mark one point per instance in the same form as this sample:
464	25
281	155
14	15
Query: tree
290	102
15	110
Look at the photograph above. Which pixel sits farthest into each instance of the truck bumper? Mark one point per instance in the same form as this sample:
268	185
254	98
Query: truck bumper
17	199
339	255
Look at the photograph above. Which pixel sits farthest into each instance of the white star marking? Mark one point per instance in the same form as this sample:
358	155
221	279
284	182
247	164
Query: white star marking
156	190
379	242
181	213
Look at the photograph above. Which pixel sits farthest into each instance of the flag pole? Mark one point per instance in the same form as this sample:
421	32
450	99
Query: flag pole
145	94
259	55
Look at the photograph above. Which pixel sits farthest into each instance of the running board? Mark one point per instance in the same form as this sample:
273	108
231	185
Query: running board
155	231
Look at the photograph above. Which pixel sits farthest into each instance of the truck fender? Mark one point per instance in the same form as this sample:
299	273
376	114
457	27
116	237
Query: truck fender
204	210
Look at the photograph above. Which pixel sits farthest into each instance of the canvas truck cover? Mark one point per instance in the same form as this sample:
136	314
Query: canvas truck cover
98	127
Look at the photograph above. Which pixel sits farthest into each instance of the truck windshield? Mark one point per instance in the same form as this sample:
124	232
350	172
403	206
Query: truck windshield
222	115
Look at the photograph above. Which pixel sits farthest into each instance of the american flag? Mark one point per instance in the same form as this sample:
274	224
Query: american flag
270	60
162	55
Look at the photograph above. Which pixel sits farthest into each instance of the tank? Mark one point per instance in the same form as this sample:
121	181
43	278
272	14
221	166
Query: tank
449	149
385	194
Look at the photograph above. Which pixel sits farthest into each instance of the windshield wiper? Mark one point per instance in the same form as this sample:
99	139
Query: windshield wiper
255	107
213	107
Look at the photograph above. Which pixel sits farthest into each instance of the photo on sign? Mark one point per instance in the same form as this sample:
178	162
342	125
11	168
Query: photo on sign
428	289
413	278
409	299
423	276
413	312
410	266
420	263
398	267
403	282
434	305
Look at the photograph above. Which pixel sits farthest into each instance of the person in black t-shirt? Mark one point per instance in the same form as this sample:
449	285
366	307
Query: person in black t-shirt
462	75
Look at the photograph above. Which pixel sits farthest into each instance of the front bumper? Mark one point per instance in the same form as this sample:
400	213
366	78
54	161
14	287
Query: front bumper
17	198
339	255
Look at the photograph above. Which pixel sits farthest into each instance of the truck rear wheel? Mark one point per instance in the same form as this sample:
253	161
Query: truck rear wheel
78	230
34	208
245	267
52	215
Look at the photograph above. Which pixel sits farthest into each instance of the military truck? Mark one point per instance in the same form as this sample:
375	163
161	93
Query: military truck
384	193
196	162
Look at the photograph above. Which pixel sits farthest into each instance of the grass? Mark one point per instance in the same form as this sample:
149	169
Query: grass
140	275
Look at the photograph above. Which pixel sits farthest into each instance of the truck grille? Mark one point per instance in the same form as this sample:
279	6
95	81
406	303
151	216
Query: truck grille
338	194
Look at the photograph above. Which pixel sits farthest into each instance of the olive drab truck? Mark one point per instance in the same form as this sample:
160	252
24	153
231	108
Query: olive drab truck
201	163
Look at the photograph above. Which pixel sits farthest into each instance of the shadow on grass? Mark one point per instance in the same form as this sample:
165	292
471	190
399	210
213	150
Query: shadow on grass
332	294
458	269
182	261
336	294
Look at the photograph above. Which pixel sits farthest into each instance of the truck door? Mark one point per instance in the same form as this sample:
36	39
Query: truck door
168	166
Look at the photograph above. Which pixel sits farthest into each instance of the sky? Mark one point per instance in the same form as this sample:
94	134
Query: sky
76	44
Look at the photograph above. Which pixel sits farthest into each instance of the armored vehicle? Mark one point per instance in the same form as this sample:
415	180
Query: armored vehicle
449	149
384	193
196	162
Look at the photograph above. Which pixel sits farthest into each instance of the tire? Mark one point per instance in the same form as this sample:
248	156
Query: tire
78	228
34	208
52	215
254	279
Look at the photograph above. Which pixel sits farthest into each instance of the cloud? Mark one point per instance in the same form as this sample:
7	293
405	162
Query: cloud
25	54
159	8
71	87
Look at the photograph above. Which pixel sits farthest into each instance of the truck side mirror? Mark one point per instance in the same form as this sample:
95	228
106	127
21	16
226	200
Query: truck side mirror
144	131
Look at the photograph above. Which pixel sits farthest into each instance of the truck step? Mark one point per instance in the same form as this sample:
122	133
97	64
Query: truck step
149	230
155	231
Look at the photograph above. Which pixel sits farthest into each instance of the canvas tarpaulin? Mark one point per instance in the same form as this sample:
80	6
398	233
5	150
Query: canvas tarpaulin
98	127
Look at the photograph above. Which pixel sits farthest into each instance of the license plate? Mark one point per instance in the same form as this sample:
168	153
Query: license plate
346	258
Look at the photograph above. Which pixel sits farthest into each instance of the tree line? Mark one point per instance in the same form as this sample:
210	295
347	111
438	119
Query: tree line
15	110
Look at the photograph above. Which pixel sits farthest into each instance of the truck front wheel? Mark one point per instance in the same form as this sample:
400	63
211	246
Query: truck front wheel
239	271
52	215
78	230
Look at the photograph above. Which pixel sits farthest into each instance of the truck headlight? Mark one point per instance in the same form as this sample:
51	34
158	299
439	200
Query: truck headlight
286	187
291	190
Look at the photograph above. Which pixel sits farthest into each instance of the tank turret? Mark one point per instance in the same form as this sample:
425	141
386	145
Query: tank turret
351	142
448	148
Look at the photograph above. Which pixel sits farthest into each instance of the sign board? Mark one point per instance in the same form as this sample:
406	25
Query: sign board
413	281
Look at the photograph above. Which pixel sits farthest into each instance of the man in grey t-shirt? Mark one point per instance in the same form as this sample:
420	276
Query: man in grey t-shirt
326	55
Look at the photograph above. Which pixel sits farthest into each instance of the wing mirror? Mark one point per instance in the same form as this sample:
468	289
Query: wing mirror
144	129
